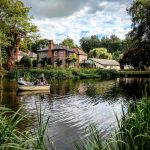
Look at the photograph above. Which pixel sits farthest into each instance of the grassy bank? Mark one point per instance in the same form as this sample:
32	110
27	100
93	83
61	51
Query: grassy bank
133	132
61	73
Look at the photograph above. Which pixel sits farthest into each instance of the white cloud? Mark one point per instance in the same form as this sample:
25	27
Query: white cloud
84	18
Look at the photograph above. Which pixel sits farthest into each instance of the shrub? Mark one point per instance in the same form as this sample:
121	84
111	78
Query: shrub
26	61
58	62
64	73
17	63
34	63
45	61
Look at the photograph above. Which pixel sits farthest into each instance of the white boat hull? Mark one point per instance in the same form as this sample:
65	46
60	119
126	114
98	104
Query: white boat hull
33	87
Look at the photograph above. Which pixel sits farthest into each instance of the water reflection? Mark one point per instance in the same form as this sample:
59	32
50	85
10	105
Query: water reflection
73	105
8	96
134	88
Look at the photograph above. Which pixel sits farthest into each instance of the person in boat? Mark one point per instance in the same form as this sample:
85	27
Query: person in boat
41	81
23	82
37	82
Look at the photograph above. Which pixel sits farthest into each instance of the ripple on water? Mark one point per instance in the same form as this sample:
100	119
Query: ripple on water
73	106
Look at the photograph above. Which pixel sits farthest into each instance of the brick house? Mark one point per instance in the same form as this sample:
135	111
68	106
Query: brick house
55	52
80	54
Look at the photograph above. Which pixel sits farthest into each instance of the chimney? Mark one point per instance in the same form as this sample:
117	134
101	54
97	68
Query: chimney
50	47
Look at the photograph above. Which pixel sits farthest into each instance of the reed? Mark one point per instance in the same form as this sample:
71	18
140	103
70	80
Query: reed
12	139
134	129
132	133
64	73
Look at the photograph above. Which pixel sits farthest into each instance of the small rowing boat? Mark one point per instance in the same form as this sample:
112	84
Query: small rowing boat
33	87
29	86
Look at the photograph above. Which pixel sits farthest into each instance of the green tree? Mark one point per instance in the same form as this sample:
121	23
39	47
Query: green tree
58	62
23	46
127	43
38	44
101	53
15	24
138	55
117	55
72	58
112	44
3	54
140	13
45	61
26	61
68	42
88	43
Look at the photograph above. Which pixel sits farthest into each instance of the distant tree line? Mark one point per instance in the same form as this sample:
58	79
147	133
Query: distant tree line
113	44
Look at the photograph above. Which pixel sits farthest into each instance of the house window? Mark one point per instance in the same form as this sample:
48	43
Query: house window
55	53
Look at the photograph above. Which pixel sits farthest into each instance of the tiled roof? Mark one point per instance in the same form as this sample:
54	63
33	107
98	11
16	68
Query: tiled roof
21	53
105	61
56	47
30	54
79	51
43	49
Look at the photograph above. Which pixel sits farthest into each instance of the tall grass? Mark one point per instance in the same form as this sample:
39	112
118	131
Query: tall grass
64	73
134	128
93	142
12	139
132	133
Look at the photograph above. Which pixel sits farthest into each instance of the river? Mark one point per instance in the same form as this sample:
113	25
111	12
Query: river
73	105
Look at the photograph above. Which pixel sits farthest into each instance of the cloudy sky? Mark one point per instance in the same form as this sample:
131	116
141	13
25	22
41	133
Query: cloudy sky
59	19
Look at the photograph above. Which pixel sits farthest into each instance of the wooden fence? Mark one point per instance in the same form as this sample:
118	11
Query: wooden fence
22	67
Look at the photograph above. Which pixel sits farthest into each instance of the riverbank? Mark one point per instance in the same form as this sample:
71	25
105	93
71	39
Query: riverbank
133	73
64	73
133	131
74	73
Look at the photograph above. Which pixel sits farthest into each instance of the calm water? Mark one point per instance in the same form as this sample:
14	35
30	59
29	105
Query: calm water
74	105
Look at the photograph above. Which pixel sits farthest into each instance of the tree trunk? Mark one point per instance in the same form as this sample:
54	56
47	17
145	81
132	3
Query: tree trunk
0	56
17	49
1	90
0	59
11	58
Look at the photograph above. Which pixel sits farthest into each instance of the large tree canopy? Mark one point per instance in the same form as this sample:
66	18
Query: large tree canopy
113	43
38	44
100	53
139	54
68	42
15	24
88	43
140	13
